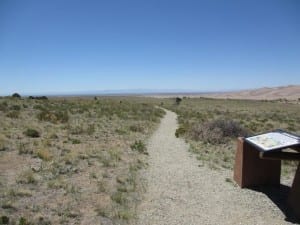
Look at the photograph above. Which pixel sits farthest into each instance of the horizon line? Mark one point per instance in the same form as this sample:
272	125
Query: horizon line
136	91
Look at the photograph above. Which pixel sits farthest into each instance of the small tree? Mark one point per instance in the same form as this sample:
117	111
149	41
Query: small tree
178	100
32	133
16	95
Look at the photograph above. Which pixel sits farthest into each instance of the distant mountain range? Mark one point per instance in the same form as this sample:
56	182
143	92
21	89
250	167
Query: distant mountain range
119	92
291	92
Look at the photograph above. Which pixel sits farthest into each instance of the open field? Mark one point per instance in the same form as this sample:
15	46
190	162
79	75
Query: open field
78	160
211	126
72	161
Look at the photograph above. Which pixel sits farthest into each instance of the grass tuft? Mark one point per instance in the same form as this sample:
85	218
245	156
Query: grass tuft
139	146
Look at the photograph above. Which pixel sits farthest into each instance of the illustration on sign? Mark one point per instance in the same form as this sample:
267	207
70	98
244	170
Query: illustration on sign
274	140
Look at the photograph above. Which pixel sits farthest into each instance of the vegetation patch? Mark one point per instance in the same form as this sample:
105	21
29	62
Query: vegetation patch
217	131
211	126
139	146
32	133
53	116
71	159
44	154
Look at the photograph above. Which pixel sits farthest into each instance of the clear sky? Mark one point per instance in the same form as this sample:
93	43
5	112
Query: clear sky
65	46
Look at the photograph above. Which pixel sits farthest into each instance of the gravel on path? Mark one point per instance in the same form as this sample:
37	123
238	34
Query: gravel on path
180	192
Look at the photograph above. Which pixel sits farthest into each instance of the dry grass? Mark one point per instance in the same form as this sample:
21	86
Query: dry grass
70	161
212	125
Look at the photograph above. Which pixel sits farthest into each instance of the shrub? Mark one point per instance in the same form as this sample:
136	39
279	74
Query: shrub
27	177
44	154
16	95
217	131
3	106
23	221
90	129
13	114
136	128
15	107
76	130
75	141
180	131
139	146
4	220
24	148
178	100
3	143
53	116
38	97
32	133
119	197
54	136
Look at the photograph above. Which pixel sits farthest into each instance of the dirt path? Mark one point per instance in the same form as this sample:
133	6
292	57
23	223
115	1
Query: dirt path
179	192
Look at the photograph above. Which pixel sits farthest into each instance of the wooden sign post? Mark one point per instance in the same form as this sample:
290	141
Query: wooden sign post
258	162
250	170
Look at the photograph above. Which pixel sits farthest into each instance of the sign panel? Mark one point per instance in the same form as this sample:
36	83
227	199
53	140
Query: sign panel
274	140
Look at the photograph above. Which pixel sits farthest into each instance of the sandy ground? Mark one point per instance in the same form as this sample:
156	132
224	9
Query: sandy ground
180	191
291	92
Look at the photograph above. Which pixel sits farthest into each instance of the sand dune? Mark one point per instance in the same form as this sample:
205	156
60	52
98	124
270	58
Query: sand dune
291	92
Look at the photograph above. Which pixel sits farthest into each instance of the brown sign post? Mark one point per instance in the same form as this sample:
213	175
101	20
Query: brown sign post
254	167
250	170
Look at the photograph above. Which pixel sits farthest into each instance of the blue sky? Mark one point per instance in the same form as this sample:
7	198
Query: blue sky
65	46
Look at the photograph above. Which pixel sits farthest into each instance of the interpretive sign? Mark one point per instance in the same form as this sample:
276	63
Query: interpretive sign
274	140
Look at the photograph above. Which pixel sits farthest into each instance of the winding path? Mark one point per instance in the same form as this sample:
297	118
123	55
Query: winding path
179	192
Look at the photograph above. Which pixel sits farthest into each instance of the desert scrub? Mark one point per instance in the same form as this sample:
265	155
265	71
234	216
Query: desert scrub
136	128
180	131
3	106
102	167
24	148
44	154
14	114
139	146
32	133
15	107
27	177
53	116
211	126
3	143
217	131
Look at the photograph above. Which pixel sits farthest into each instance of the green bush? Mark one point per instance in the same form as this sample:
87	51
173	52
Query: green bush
178	100
4	220
75	141
16	95
32	133
180	131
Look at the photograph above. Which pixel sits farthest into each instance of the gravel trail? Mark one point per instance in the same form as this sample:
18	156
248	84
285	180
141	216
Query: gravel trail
180	192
